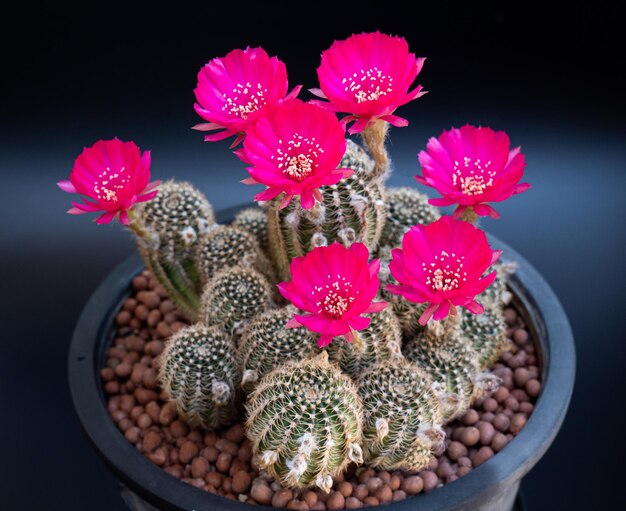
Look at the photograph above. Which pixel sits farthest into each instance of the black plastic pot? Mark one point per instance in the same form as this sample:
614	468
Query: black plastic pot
492	486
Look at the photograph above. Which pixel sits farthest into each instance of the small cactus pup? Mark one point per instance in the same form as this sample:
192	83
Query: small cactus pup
333	287
225	247
254	221
380	341
486	334
198	372
406	207
488	172
351	79
403	416
173	221
497	295
265	344
350	211
304	422
233	297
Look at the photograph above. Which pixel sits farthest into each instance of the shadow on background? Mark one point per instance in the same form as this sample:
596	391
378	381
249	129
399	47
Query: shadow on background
74	77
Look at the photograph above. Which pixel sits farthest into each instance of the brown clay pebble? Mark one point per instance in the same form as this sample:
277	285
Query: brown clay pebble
533	387
486	432
282	497
345	488
144	421
151	441
133	434
224	445
241	482
518	421
510	316
167	414
159	456
214	479
353	503
490	405
360	492
298	505
384	494
470	436
188	451
235	434
310	497
501	422
373	484
456	450
178	428
199	467
335	501
371	501
398	495
123	318
262	494
482	455
223	462
430	480
470	418
499	442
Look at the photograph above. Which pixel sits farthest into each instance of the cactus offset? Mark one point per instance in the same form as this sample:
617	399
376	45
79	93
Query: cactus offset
266	343
226	247
351	211
233	297
380	341
199	373
172	223
497	295
403	416
304	422
406	207
487	335
254	221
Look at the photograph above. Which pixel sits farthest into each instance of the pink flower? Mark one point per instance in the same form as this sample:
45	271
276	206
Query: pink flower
294	148
115	175
368	76
470	167
233	90
442	264
334	285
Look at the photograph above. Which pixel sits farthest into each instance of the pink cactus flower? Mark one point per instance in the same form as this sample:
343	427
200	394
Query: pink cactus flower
471	167
234	89
368	76
334	285
442	264
294	148
115	175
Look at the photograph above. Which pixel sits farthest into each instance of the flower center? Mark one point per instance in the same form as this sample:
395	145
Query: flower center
108	183
472	177
297	159
244	100
446	272
335	298
368	85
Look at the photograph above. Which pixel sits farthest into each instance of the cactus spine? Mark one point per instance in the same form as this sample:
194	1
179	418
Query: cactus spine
304	422
266	343
198	372
351	211
254	221
173	221
381	340
487	335
233	297
403	416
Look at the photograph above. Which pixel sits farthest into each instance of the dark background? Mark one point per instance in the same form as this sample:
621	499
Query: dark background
73	76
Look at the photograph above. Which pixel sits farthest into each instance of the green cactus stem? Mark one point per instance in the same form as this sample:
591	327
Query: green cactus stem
254	221
304	422
486	334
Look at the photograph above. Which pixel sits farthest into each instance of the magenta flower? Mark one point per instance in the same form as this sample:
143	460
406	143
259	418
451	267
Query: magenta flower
470	167
442	264
368	76
294	148
233	90
115	175
334	285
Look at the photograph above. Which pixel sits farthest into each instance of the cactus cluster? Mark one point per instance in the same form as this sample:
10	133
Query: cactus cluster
254	221
199	373
351	211
304	421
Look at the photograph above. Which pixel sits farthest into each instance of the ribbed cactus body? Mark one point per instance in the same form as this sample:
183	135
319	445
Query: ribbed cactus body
233	297
304	422
226	247
351	211
199	374
173	221
254	221
380	341
486	334
406	207
266	343
497	295
403	416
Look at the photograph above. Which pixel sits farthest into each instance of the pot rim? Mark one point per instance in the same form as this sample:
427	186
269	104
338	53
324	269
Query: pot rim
543	314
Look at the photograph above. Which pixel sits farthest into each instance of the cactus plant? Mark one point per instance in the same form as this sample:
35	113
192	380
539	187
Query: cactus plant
487	335
254	221
403	416
171	224
378	342
353	210
304	422
266	343
453	365
233	297
406	207
225	247
198	372
498	295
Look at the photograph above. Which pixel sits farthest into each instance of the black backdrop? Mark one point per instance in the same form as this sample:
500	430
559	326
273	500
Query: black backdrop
73	75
